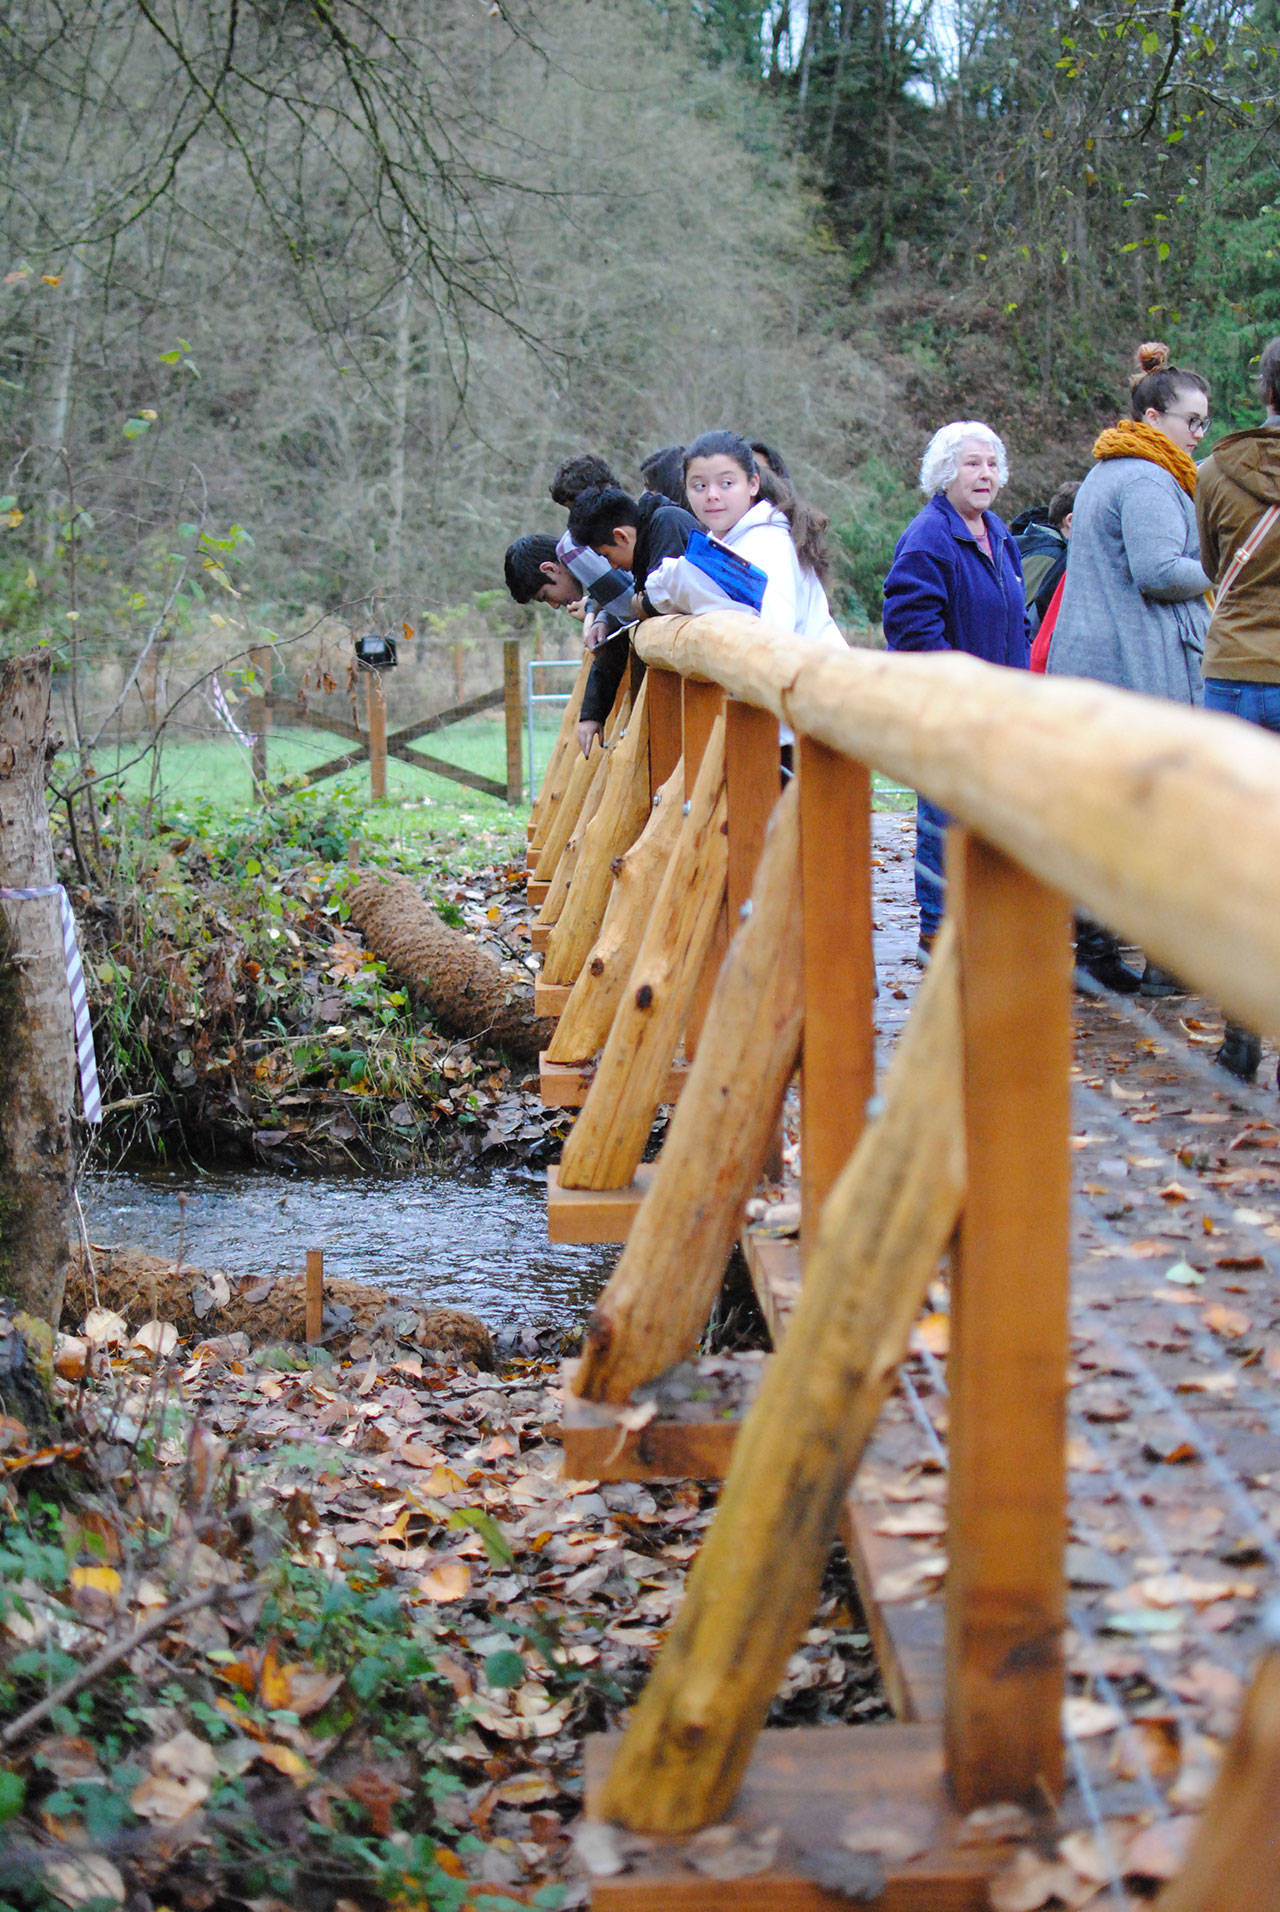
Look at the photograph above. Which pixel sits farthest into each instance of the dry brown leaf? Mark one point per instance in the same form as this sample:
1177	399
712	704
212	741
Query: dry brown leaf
82	1879
156	1337
1231	1323
449	1580
910	1583
1086	1719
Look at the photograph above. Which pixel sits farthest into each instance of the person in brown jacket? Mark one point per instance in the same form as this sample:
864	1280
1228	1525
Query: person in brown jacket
1238	512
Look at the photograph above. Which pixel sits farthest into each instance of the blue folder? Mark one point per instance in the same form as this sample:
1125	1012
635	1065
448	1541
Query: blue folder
740	580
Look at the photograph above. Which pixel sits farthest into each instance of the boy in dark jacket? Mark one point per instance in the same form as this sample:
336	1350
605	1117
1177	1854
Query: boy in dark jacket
633	537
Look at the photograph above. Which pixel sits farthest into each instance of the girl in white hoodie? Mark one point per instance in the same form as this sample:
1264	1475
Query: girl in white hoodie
757	515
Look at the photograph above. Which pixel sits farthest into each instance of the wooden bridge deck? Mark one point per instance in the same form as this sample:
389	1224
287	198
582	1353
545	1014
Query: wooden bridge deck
1174	1545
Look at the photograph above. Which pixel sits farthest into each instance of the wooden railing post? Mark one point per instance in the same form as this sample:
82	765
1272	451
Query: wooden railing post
665	725
376	693
1006	1592
838	1072
752	787
260	713
511	703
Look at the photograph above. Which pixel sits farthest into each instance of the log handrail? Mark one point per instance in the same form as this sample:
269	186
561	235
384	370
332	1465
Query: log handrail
1094	790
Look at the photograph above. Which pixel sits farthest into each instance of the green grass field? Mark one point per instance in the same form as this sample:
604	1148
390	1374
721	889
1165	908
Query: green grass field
213	771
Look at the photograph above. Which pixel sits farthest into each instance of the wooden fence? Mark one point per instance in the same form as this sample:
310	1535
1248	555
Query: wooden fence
375	745
684	896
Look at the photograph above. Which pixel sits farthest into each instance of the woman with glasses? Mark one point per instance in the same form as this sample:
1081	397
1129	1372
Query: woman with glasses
1134	610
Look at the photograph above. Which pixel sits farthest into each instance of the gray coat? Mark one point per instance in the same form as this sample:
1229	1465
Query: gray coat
1133	611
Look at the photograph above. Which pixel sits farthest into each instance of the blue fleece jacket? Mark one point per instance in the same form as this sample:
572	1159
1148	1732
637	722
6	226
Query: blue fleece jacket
942	593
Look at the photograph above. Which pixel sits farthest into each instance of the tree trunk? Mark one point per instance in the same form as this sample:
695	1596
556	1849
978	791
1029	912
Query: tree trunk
37	1037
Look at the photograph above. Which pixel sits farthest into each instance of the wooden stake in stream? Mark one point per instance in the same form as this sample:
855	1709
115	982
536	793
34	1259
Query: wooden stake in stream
315	1294
663	1289
754	1585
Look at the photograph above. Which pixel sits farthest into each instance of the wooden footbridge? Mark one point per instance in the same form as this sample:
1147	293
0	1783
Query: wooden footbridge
706	934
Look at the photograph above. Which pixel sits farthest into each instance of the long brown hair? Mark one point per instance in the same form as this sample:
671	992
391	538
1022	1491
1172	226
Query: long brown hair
808	525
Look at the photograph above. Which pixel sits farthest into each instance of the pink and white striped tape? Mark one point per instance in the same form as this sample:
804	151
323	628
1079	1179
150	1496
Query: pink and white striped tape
90	1094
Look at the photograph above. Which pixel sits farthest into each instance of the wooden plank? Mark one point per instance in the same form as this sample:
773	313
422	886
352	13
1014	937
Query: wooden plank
809	1782
703	706
588	1015
609	1137
565	1085
598	1444
839	1068
457	714
752	788
539	936
656	1303
752	1589
619	818
293	716
594	1214
441	767
555	777
665	725
550	998
334	766
536	893
1007	1368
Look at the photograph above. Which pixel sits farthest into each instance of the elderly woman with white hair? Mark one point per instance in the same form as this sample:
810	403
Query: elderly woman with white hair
955	584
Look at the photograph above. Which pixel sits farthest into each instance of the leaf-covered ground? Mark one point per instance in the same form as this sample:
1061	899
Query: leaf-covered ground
377	1626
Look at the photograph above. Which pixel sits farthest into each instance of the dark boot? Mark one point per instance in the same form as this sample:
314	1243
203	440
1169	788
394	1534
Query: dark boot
1159	982
1098	955
1240	1053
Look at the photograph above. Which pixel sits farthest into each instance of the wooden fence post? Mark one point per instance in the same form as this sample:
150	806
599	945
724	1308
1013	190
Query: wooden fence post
376	693
1006	1523
838	1072
511	704
260	713
665	721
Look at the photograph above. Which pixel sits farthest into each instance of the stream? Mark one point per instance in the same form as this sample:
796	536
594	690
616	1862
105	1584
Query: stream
465	1238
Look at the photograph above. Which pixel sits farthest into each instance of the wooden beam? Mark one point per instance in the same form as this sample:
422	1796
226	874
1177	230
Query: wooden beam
581	778
594	1214
1232	1862
752	787
556	775
753	1586
1090	788
703	706
588	1014
600	1443
1007	1368
839	1068
441	767
619	818
657	1301
457	714
566	1085
608	1139
665	725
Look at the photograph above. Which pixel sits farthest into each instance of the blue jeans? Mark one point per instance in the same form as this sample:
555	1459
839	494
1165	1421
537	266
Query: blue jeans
931	850
1246	697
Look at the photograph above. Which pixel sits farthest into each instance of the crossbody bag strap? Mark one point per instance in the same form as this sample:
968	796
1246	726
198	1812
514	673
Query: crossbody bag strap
1245	551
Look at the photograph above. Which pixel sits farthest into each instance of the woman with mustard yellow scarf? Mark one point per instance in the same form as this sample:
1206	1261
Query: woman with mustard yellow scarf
1134	610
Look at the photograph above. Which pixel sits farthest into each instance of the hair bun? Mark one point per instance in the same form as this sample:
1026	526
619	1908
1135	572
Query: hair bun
1152	357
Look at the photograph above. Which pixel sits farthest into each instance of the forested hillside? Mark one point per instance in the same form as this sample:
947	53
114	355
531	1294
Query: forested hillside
353	279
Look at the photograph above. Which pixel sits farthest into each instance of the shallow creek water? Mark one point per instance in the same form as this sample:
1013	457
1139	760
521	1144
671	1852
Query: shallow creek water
465	1238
